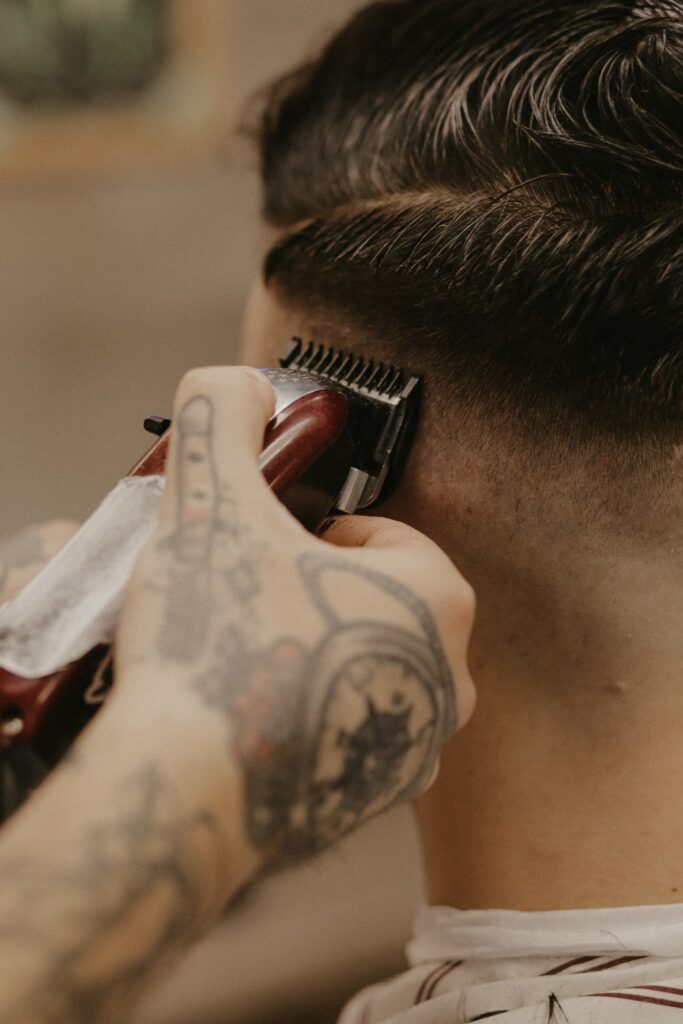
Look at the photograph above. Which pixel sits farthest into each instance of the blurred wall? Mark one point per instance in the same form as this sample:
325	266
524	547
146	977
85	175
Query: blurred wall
111	285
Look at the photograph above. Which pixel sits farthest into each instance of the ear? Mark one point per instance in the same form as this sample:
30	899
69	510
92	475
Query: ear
267	327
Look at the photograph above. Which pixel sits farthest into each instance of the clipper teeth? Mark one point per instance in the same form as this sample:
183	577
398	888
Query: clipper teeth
382	407
377	380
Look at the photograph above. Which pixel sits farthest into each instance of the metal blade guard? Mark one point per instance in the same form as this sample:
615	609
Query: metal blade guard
383	405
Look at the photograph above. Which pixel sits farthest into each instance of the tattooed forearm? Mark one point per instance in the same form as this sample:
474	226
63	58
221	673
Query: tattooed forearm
138	895
18	551
271	694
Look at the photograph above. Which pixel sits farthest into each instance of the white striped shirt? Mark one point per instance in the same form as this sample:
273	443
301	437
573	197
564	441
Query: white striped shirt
621	966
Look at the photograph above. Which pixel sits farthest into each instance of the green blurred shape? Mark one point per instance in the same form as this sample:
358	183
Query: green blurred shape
56	52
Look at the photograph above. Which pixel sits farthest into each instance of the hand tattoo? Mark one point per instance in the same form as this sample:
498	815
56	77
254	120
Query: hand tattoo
192	543
204	518
327	735
332	735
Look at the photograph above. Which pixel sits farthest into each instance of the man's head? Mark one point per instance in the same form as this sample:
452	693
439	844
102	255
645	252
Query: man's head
490	193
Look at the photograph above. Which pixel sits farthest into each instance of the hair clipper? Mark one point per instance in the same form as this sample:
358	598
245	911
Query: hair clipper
337	441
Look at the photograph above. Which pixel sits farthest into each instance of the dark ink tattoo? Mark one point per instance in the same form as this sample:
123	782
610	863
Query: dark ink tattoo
205	517
265	703
17	551
197	499
331	736
144	887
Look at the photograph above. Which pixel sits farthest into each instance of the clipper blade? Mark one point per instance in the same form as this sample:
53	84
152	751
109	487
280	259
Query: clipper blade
383	409
378	381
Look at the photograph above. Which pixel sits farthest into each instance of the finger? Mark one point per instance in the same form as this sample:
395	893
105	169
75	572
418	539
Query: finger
220	415
370	532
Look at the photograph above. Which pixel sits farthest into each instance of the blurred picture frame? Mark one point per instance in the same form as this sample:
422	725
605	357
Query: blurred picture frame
99	85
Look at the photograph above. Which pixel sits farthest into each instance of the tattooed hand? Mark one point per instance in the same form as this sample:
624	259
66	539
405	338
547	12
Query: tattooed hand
273	691
336	666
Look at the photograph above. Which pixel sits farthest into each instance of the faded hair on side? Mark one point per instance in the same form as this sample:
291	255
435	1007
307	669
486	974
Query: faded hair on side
493	190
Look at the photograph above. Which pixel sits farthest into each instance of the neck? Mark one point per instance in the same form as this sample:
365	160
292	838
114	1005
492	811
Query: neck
564	789
531	813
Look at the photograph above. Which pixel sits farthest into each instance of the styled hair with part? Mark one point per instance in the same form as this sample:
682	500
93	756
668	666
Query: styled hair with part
491	191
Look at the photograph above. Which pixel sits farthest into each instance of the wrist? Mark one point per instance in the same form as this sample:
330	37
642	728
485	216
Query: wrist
167	729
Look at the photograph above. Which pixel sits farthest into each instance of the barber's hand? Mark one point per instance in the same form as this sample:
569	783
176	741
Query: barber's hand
336	666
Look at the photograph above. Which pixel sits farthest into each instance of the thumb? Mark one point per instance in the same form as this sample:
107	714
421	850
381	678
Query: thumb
219	418
369	532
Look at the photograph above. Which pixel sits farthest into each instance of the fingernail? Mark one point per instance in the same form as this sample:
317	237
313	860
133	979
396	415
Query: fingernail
325	525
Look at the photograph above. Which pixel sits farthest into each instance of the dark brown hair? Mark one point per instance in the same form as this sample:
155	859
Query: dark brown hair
492	189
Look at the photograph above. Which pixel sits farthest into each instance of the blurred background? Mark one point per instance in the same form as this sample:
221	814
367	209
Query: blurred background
129	214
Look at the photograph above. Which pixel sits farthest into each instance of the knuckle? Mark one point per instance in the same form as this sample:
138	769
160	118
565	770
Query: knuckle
466	697
458	601
251	384
389	532
468	601
196	381
238	385
197	378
